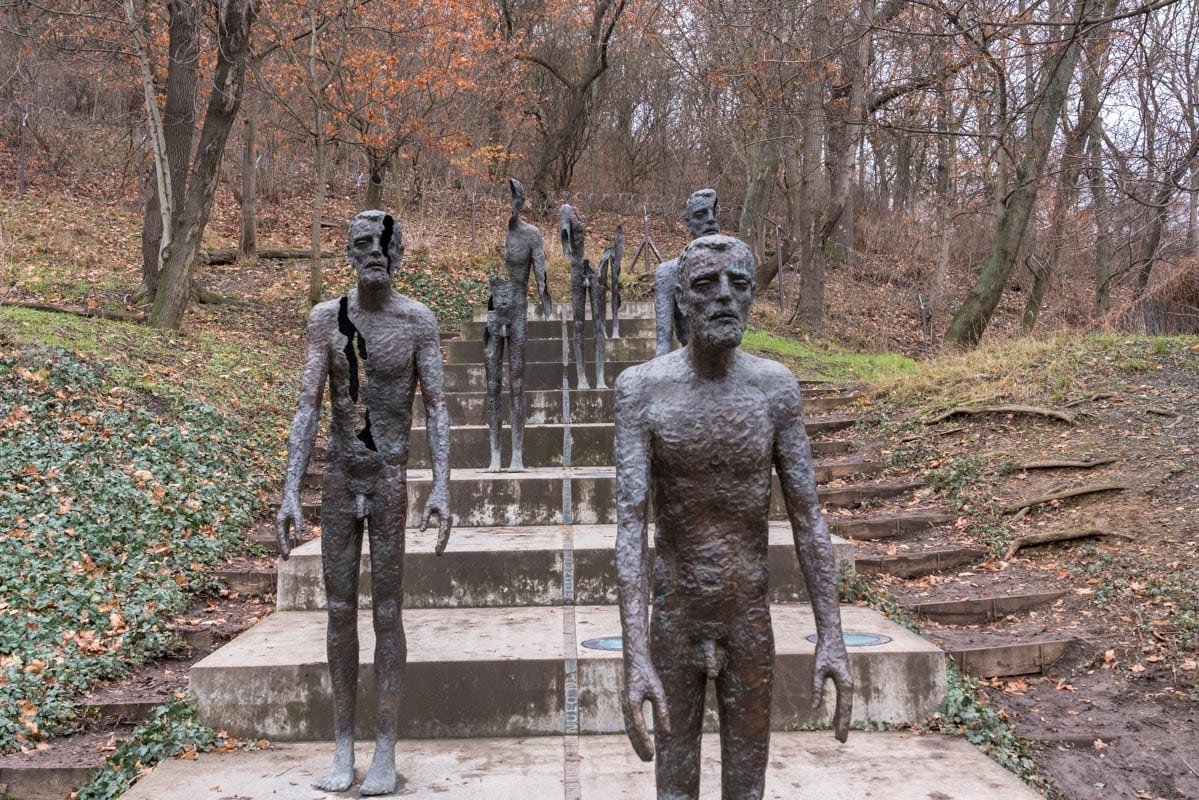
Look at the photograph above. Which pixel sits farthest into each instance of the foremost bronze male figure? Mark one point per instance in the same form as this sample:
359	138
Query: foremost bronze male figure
508	325
395	341
584	284
700	429
669	320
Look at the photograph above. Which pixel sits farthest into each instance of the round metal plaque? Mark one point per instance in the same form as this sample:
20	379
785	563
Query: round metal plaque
859	639
604	643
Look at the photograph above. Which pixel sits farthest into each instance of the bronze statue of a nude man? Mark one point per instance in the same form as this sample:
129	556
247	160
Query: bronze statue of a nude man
396	340
700	429
508	324
669	319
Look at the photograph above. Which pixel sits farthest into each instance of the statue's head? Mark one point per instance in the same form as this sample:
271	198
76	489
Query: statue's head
571	230
375	248
518	196
716	289
701	213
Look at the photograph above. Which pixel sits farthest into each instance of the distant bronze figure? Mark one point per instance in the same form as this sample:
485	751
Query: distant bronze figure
669	320
508	325
395	341
583	285
700	429
610	266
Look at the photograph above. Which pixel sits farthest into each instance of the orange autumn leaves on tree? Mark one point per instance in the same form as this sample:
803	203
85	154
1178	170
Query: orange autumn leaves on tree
393	77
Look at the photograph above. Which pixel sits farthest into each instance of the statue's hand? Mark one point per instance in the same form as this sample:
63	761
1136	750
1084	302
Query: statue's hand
640	684
832	661
289	523
439	504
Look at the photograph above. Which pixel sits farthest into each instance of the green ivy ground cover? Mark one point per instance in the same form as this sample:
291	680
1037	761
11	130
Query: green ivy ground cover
113	503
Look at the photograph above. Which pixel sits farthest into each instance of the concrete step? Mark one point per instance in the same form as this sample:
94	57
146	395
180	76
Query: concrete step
544	406
981	610
548	375
643	310
501	672
552	329
500	499
515	566
626	348
906	765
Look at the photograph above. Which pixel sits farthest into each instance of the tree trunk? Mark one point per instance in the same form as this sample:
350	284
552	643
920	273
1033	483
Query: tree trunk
174	285
1103	236
248	242
377	170
944	205
810	308
178	126
971	320
1161	209
320	168
762	164
1193	216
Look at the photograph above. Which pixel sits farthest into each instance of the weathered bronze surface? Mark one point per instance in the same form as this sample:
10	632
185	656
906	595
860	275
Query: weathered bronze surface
394	340
699	429
584	284
610	266
669	319
508	326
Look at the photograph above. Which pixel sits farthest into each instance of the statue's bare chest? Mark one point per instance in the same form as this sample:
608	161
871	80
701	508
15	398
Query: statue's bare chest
713	431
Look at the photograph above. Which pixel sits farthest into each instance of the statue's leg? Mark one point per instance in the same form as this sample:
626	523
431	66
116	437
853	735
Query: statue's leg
391	648
597	315
743	693
578	304
615	299
493	363
516	392
677	758
341	544
664	282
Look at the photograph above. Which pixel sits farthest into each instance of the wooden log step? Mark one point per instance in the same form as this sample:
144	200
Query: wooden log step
981	610
123	711
255	583
915	565
1004	660
44	783
889	525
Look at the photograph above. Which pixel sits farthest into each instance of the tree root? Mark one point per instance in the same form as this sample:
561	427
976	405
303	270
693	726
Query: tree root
1089	464
1048	498
80	311
1064	416
1060	536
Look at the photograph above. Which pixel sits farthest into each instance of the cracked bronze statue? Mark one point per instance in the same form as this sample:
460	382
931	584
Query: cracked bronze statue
669	320
584	284
700	429
610	266
508	326
394	340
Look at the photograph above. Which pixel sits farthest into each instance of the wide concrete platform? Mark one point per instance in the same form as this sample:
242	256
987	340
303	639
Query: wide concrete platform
500	672
514	566
803	766
899	681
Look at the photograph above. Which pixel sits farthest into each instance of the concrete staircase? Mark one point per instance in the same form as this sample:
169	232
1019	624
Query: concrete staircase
511	666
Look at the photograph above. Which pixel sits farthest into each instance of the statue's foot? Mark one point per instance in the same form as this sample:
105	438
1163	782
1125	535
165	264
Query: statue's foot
583	385
600	385
496	462
517	465
381	777
340	777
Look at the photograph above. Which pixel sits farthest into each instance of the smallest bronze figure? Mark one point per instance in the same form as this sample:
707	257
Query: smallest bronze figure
508	326
610	266
584	283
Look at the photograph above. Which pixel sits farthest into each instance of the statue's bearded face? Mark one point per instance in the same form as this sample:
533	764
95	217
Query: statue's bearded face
716	287
375	248
701	215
